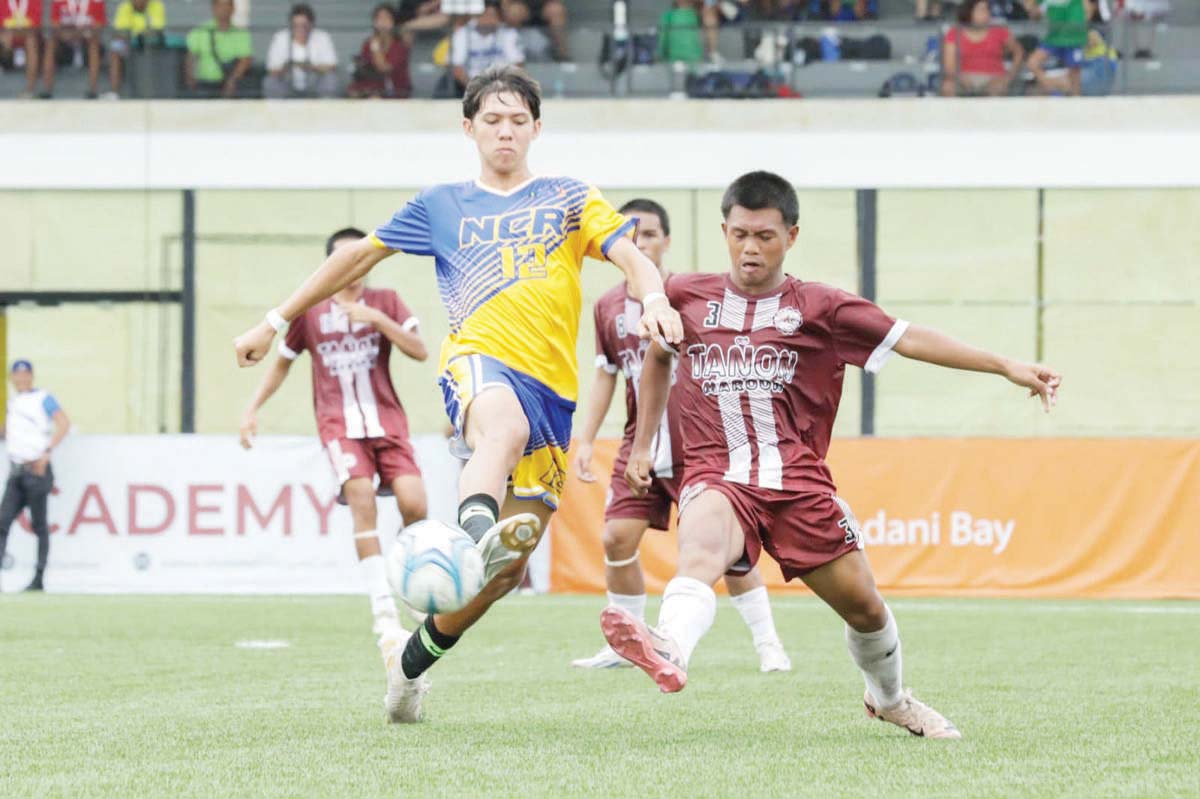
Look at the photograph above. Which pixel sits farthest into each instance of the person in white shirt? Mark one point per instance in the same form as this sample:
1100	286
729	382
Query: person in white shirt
301	61
484	42
34	425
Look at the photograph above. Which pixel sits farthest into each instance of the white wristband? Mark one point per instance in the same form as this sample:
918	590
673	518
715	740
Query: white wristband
653	296
276	320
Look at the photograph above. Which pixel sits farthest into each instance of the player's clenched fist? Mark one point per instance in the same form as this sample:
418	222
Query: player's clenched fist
253	345
660	319
637	472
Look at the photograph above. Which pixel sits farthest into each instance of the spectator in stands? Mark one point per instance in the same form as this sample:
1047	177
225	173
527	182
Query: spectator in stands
75	29
138	24
484	42
34	426
1146	15
1066	36
21	39
301	61
845	10
973	54
927	9
679	34
219	54
421	15
548	14
382	63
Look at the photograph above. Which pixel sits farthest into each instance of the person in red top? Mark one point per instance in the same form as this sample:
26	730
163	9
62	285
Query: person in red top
383	60
760	372
627	517
21	38
75	24
359	417
973	54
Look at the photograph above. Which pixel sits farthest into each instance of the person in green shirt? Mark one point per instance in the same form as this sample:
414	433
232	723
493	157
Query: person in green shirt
679	34
219	55
1066	36
137	24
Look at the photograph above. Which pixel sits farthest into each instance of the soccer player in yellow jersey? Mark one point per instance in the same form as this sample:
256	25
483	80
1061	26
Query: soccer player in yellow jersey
508	247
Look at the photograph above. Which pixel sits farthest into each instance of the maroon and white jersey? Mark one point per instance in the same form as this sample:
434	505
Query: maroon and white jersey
353	394
759	378
618	348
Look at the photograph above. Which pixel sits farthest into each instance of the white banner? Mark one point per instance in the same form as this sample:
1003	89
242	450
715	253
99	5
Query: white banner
197	514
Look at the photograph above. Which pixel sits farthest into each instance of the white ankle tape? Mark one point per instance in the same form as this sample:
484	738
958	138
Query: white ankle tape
625	562
366	534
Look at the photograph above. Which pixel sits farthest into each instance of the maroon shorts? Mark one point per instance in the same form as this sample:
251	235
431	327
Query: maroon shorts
389	457
802	531
654	507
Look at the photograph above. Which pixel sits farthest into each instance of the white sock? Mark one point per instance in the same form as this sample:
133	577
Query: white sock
634	603
755	608
379	590
877	655
688	609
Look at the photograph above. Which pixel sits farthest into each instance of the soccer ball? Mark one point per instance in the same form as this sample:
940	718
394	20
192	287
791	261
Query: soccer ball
435	568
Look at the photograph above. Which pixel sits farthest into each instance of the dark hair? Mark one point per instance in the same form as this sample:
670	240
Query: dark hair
758	190
498	79
967	10
344	233
303	10
384	7
647	206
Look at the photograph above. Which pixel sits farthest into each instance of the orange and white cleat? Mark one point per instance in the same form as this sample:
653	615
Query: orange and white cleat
913	715
644	647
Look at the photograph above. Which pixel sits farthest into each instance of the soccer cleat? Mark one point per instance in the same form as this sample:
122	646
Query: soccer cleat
606	658
506	541
403	698
913	715
771	657
645	647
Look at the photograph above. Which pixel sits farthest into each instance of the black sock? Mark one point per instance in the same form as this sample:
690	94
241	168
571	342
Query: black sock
424	648
477	514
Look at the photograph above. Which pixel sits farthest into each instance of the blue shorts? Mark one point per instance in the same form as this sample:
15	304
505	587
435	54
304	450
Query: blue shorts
1067	57
542	473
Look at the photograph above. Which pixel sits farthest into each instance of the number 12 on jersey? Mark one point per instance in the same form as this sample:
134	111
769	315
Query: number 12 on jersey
523	261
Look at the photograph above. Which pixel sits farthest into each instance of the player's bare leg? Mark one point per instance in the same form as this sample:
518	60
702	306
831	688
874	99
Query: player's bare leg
496	432
710	541
625	582
848	587
748	594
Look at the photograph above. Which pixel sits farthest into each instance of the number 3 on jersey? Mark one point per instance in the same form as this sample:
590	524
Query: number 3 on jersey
523	261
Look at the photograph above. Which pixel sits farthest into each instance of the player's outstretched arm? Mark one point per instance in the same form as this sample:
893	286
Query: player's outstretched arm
603	388
645	284
653	389
343	266
270	383
929	345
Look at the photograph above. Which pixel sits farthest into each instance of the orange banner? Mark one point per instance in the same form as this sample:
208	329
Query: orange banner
1115	518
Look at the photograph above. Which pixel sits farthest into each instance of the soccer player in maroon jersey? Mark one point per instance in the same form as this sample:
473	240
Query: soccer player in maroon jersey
627	517
360	420
760	376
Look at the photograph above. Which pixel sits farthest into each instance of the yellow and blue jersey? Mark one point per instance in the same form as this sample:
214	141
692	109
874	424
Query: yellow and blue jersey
508	268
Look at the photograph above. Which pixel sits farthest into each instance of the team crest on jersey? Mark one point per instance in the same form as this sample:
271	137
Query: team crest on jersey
788	320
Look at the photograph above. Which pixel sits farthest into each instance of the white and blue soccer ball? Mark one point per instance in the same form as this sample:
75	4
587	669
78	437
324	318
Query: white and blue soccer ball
435	568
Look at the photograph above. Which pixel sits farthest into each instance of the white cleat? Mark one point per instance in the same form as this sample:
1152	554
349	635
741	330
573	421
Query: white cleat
771	657
403	699
506	541
606	658
913	715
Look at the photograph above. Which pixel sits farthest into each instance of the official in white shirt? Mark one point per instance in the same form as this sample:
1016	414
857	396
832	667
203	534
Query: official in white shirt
33	427
301	61
484	42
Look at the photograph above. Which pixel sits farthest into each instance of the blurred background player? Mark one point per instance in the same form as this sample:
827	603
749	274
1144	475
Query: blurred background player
508	247
33	426
762	361
360	420
627	517
21	39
